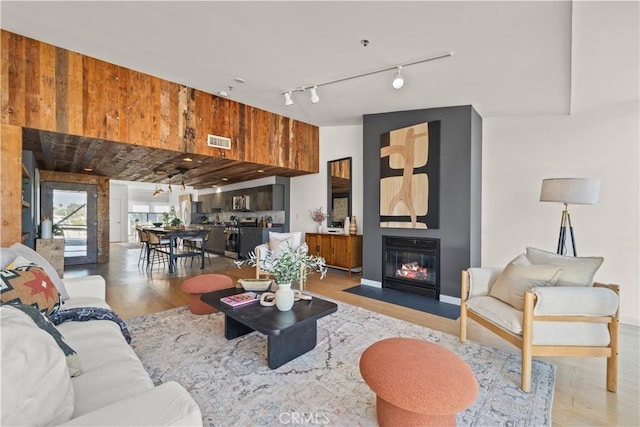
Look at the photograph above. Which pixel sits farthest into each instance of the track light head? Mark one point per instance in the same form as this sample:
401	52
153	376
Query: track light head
314	94
398	80
287	99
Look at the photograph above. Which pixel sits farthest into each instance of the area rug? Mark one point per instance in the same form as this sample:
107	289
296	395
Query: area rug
232	384
409	300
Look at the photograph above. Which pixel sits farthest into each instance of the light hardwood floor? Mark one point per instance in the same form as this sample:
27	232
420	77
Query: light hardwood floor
580	395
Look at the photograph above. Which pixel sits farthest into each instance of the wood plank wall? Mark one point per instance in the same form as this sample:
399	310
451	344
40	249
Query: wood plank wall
50	88
102	188
11	188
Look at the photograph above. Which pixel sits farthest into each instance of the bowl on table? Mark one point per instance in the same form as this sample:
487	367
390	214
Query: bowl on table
157	224
255	285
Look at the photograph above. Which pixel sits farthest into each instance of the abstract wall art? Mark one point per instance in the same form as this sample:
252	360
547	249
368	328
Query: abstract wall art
410	177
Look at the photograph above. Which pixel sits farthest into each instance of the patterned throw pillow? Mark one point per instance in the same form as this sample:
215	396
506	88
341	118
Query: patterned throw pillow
29	285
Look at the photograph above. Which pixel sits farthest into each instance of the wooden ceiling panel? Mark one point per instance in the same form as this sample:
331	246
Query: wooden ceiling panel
127	162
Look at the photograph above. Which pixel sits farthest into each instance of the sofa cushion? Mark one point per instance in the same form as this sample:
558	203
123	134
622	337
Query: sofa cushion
18	249
73	361
517	278
36	388
29	285
576	271
111	371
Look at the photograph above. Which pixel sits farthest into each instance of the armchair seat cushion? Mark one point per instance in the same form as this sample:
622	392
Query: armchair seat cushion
544	332
498	312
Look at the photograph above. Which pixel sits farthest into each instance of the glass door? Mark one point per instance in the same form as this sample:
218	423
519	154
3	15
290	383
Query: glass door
73	211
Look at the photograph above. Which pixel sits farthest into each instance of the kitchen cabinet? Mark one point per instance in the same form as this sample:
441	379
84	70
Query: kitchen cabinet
216	240
338	250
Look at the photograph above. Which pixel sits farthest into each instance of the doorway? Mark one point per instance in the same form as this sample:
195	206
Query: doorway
73	211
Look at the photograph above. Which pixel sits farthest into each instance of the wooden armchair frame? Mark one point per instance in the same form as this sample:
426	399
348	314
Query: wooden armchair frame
524	341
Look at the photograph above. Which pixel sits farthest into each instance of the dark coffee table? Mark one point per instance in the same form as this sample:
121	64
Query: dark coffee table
289	333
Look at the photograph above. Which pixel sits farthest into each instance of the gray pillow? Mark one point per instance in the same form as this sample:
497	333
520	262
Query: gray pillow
576	271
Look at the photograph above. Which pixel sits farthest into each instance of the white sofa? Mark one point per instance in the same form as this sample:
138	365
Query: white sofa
113	389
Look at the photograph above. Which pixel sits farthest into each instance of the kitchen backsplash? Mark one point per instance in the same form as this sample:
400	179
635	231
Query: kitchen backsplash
197	218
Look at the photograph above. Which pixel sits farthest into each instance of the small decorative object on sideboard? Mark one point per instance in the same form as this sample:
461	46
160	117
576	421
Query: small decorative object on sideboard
318	216
353	227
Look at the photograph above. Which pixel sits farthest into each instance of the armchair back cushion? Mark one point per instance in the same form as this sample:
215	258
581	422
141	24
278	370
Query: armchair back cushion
576	271
278	241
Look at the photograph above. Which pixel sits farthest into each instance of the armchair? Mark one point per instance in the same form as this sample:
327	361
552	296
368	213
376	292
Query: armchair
555	320
275	244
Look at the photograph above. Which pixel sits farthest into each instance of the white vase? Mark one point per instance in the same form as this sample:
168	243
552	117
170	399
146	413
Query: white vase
284	297
320	229
346	225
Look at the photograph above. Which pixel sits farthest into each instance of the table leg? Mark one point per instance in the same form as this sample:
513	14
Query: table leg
202	254
234	329
285	347
172	241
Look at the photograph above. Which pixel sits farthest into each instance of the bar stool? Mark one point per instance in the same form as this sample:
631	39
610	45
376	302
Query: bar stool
143	237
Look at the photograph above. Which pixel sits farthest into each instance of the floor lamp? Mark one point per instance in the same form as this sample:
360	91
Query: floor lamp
579	191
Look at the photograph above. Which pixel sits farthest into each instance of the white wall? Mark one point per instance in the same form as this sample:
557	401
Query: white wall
519	153
310	191
117	191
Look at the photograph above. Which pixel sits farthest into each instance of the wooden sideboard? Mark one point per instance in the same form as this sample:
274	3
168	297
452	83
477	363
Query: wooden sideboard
338	250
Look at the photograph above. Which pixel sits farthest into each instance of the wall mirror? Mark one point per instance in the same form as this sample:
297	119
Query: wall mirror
338	191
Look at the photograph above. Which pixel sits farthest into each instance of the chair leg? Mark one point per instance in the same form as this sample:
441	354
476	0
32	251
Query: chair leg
527	338
464	293
612	360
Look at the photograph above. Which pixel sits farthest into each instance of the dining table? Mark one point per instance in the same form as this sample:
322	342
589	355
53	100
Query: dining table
174	251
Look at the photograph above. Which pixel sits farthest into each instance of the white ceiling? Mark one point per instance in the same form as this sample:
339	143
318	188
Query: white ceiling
511	58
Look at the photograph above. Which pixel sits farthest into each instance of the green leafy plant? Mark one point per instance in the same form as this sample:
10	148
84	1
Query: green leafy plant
289	266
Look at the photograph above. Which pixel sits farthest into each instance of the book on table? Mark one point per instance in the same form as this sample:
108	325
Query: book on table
239	300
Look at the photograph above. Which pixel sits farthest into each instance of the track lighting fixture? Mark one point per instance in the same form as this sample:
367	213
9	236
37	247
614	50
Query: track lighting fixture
314	95
287	99
170	190
182	186
398	79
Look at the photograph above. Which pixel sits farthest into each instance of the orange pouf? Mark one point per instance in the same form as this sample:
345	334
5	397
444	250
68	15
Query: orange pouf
417	383
202	284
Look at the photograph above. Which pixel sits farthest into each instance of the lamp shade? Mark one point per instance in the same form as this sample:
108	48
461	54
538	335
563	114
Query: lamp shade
581	191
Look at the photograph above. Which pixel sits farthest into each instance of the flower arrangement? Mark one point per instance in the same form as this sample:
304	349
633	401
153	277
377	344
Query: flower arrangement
289	266
317	215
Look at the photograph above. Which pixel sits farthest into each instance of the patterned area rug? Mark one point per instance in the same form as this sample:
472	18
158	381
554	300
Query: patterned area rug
232	384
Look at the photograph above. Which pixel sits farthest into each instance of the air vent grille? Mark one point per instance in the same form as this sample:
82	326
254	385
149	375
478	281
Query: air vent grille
219	142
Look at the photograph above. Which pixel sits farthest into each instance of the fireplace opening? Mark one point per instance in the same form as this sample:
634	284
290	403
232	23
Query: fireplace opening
411	264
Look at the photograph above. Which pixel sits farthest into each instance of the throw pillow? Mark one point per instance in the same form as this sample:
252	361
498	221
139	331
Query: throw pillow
36	387
19	261
517	278
576	271
296	235
276	245
37	259
29	285
73	361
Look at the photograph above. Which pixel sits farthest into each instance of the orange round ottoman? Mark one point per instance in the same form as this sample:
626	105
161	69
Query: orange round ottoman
417	383
202	284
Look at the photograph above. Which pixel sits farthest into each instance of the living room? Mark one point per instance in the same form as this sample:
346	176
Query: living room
591	130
